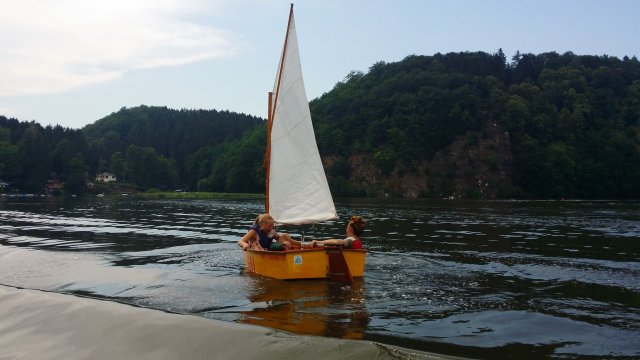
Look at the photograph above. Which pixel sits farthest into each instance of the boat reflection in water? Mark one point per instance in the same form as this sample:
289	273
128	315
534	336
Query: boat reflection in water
309	307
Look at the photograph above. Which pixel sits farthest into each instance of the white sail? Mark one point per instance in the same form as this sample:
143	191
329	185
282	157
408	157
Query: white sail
298	192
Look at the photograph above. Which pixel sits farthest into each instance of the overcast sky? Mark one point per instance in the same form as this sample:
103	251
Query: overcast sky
72	62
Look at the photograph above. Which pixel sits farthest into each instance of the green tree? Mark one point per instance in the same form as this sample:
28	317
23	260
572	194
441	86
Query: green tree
34	154
143	167
562	170
385	160
76	181
118	165
9	164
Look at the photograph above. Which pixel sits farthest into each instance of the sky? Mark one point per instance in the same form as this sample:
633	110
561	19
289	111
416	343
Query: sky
73	62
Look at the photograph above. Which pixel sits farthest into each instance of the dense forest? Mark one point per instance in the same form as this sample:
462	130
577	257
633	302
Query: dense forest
448	125
473	124
147	147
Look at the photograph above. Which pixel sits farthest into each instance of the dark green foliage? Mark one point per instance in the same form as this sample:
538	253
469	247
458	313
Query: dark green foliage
34	157
573	121
118	166
385	160
9	164
237	166
145	168
540	126
78	176
149	147
174	134
418	105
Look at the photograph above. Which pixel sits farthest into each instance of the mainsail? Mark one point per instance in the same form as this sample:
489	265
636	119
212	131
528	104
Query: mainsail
297	188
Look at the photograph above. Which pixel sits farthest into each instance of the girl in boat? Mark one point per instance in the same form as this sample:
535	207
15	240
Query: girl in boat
354	230
263	236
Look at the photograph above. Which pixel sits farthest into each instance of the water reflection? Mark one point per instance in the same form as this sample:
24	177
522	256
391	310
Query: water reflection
311	307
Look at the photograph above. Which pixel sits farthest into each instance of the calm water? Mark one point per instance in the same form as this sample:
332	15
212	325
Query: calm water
500	279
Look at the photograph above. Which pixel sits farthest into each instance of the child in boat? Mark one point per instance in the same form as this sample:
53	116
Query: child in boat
263	236
354	230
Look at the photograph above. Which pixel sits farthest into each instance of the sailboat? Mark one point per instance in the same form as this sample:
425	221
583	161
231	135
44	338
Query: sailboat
297	191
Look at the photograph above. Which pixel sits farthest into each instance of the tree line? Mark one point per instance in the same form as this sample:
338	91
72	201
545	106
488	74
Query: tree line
572	121
147	147
538	126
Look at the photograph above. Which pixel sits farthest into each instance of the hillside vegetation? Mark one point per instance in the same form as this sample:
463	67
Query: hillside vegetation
447	125
472	124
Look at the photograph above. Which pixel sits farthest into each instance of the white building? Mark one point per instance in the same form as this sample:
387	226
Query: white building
106	177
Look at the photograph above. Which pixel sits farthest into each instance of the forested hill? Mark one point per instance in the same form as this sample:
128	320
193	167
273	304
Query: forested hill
166	130
147	147
161	147
474	124
457	124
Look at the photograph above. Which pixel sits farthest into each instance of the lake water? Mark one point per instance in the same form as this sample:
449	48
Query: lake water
480	279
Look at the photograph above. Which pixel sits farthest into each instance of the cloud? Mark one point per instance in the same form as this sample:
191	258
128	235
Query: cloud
54	46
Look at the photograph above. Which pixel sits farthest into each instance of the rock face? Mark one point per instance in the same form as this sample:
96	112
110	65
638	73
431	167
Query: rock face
476	164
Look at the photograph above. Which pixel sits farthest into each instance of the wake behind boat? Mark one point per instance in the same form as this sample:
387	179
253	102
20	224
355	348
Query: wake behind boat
297	191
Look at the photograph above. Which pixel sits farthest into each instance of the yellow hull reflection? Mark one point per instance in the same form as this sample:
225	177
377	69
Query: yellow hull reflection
300	264
309	307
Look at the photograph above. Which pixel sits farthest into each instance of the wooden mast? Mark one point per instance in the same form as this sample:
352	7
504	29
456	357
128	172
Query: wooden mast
267	153
272	111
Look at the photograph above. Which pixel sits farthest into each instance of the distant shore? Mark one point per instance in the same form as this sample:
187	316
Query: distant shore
196	195
156	195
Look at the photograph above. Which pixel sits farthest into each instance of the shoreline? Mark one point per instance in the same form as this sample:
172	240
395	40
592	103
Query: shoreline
196	195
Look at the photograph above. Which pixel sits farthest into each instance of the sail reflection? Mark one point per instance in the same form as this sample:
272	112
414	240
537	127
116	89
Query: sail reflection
309	307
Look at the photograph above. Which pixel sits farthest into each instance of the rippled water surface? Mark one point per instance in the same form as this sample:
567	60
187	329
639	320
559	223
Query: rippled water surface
499	279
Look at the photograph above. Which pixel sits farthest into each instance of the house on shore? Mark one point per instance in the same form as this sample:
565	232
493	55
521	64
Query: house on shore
106	177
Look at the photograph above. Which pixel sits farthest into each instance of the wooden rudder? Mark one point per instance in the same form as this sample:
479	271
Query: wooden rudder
338	267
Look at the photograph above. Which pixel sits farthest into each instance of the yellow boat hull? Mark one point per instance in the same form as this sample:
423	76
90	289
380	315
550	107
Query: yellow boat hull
300	264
